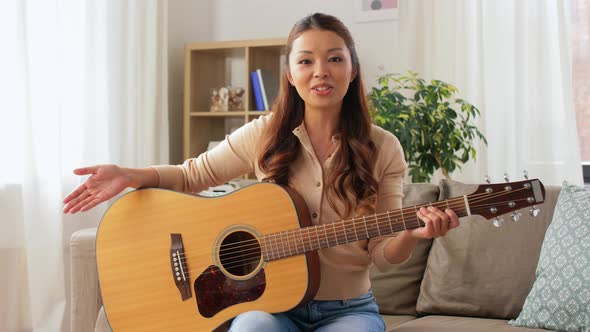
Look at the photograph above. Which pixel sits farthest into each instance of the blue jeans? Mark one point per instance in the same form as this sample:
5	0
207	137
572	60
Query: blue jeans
357	314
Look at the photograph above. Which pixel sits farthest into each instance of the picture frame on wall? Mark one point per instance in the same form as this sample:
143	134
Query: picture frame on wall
376	10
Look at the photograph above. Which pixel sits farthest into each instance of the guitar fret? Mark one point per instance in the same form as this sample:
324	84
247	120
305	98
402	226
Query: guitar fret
345	231
326	235
355	232
278	246
278	243
389	219
377	223
265	247
285	243
335	233
403	221
272	250
295	242
318	237
272	246
288	243
302	240
366	230
282	244
275	245
417	219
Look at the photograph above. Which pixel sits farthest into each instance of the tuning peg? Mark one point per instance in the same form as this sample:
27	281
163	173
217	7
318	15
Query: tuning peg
498	222
525	173
487	179
534	212
515	216
506	177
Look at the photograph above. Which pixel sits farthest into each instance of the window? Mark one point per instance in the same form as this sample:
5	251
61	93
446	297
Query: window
581	77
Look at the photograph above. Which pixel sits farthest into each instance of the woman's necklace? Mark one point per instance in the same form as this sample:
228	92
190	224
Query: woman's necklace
326	153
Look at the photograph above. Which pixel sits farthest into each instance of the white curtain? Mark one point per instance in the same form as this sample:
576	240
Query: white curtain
82	82
512	60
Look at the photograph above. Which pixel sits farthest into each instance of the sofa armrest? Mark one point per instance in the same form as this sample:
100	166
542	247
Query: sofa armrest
85	291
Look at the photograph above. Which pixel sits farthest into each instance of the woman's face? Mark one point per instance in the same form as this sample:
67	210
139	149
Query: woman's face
320	68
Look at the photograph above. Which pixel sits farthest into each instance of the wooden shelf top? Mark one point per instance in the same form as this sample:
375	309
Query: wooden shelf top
236	44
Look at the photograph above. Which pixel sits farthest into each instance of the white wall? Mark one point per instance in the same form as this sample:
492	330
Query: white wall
188	21
215	20
377	42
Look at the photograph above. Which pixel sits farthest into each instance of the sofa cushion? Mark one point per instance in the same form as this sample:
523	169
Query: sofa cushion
393	321
85	291
560	298
397	289
480	270
102	323
459	324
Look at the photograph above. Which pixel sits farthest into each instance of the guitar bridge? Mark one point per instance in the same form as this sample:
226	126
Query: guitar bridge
179	267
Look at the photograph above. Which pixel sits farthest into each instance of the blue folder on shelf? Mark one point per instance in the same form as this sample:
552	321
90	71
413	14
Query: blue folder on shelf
257	91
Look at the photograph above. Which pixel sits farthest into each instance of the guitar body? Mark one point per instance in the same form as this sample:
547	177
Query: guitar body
145	288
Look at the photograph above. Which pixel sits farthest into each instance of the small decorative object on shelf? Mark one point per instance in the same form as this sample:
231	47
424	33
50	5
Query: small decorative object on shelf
235	101
219	100
227	99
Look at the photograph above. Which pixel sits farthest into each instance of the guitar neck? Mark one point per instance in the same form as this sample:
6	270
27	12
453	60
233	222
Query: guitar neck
299	241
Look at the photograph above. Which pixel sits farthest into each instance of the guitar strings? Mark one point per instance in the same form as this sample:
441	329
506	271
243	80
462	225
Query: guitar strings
253	257
372	227
251	251
341	228
456	204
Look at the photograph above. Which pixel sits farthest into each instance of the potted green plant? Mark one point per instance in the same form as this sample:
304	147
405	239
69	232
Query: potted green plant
435	129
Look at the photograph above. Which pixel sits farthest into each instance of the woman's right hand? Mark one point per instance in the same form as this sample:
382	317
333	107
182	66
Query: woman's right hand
104	183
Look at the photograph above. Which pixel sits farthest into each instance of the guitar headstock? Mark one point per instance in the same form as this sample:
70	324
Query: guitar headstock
492	200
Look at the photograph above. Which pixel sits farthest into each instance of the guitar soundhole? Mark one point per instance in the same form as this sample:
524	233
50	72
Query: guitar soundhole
239	253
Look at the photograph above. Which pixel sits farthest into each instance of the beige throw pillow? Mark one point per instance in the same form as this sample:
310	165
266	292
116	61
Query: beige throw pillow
480	270
397	290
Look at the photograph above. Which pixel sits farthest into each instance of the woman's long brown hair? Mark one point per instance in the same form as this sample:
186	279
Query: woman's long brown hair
351	180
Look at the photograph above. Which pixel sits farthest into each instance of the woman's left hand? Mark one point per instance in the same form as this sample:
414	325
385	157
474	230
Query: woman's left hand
437	223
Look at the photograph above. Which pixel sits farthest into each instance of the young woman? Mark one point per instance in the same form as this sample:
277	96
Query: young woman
318	140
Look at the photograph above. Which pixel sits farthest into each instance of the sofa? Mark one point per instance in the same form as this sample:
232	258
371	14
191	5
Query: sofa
474	279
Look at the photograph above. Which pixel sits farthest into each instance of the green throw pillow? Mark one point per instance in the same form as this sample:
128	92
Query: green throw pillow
560	297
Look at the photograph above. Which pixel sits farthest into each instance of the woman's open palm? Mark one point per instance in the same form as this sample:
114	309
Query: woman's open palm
104	183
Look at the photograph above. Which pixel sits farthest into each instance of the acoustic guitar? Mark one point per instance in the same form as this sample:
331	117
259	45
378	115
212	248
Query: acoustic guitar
169	261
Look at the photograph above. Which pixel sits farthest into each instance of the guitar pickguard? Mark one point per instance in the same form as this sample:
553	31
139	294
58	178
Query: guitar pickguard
215	291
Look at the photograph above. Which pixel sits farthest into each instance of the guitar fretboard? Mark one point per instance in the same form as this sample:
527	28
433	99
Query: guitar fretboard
299	241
